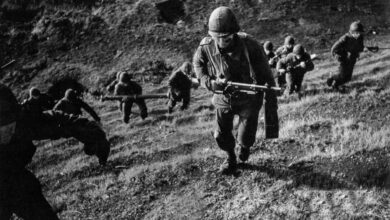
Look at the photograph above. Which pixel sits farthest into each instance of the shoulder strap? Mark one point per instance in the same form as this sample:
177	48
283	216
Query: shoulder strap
252	72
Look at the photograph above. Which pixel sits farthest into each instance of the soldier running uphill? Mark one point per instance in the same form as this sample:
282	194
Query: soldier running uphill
71	104
235	57
128	87
180	87
347	50
20	190
294	66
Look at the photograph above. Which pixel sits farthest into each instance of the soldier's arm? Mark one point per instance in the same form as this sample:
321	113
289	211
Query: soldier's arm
200	61
309	63
172	78
281	66
261	59
58	106
89	109
279	51
111	86
55	124
338	48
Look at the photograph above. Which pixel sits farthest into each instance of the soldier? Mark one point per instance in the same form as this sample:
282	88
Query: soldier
128	87
111	86
294	66
20	190
179	84
236	57
269	51
287	48
71	104
347	50
37	102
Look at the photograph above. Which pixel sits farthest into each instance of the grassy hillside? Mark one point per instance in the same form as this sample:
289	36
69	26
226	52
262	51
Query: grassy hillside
166	166
90	40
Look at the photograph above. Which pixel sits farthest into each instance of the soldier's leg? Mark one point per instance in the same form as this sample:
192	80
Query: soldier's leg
171	104
142	107
5	197
225	139
186	96
247	127
28	201
127	111
290	84
299	80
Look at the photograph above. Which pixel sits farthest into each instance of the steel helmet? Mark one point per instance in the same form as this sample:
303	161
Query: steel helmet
356	26
268	46
70	94
223	22
289	40
34	92
298	49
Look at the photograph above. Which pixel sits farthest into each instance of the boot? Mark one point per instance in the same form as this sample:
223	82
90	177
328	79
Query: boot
244	153
229	166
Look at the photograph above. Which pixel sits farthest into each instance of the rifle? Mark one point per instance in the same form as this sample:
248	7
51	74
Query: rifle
132	97
7	64
233	87
375	49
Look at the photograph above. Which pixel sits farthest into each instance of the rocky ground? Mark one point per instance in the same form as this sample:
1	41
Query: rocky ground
330	162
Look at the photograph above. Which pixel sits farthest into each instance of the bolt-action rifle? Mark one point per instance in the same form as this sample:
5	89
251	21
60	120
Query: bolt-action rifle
132	97
234	87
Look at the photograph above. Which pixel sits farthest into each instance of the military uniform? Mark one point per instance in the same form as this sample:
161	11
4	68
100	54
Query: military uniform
20	191
244	62
346	50
294	71
36	105
179	85
73	105
128	87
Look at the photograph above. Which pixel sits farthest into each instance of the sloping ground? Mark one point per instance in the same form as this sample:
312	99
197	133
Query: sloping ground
90	40
166	167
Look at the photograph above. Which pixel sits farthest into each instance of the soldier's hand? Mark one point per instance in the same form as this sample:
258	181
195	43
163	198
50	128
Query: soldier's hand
302	65
218	85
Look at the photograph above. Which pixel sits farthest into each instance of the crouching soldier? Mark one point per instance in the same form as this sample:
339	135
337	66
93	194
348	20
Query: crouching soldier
71	104
128	87
179	84
294	66
20	190
346	50
231	56
37	102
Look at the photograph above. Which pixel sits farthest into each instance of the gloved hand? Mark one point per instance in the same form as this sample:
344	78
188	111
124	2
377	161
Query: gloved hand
302	65
218	84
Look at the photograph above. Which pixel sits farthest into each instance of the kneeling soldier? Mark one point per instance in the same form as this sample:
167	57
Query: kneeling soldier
180	87
295	65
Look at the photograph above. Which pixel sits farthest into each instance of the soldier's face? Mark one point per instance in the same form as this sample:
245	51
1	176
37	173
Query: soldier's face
7	122
356	34
225	41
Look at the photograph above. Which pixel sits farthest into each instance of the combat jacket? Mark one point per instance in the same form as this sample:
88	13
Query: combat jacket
210	63
37	105
283	51
50	125
272	59
129	88
291	63
111	86
179	81
347	47
247	63
74	107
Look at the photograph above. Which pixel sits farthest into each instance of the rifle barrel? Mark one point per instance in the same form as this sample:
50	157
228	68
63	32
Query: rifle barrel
252	86
133	97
